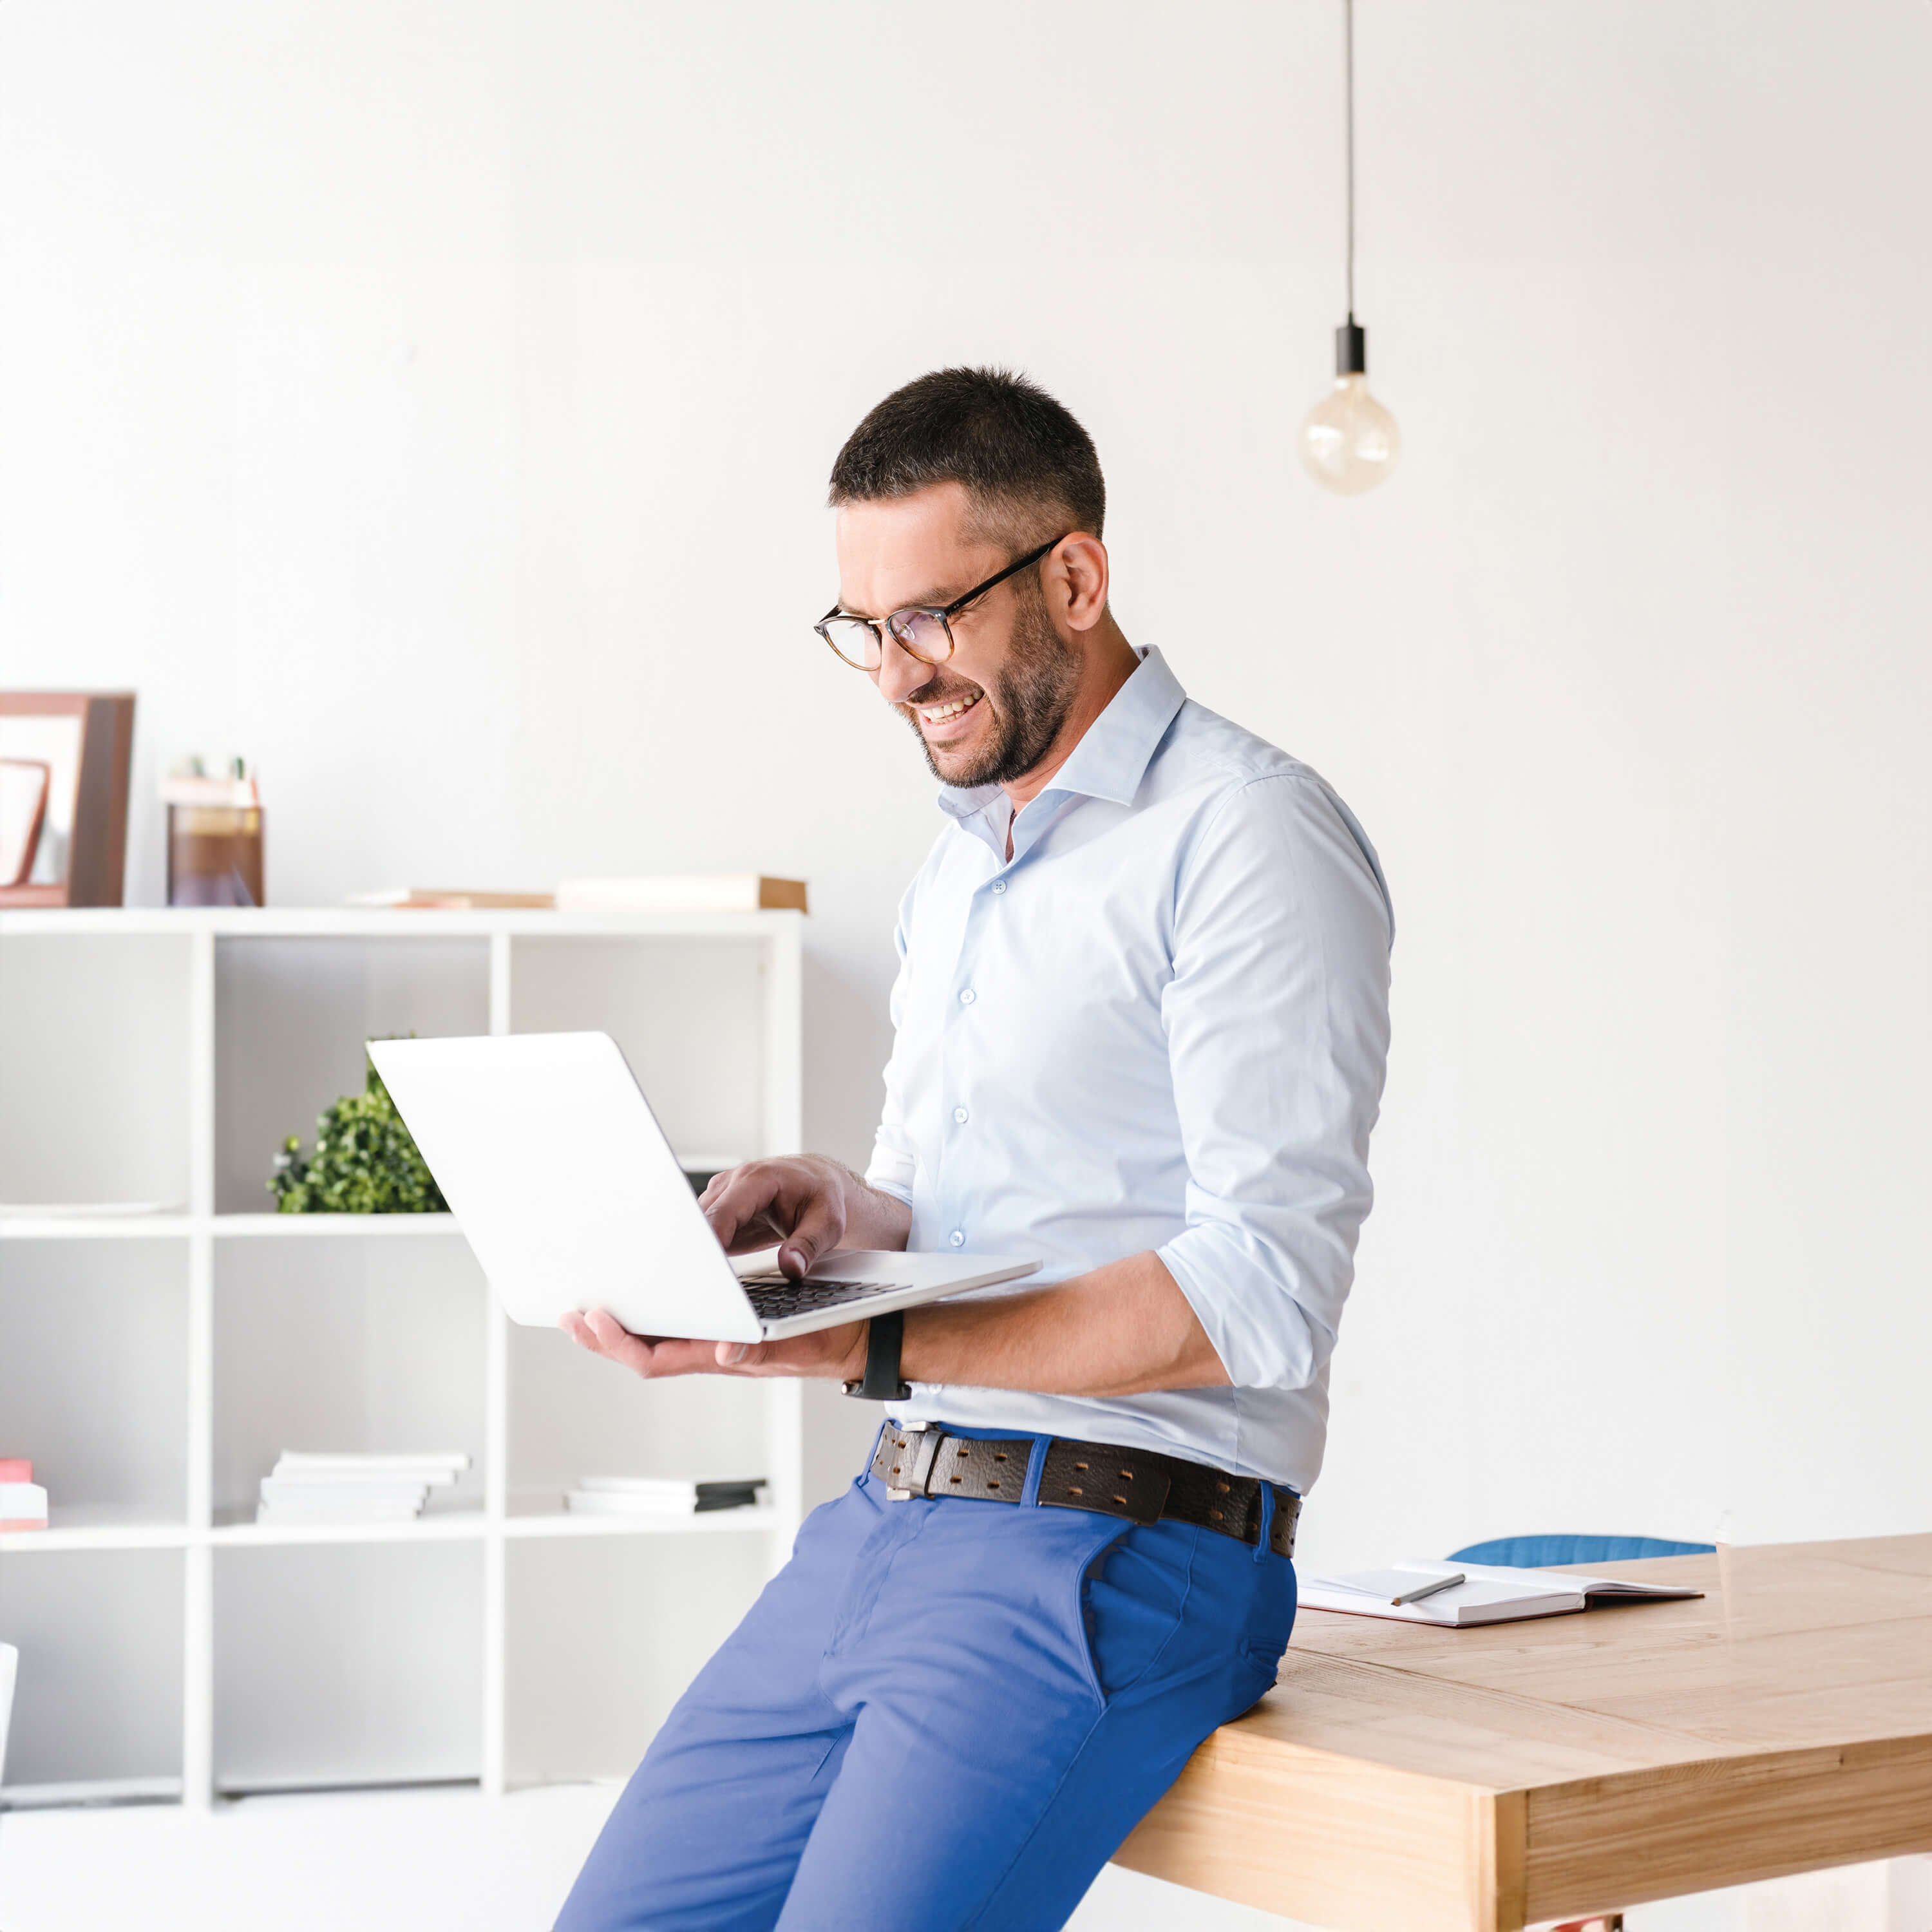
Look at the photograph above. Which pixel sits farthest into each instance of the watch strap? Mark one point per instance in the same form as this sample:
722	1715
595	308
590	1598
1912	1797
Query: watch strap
885	1335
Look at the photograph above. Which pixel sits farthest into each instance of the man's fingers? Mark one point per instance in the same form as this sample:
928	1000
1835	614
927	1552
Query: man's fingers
744	1206
653	1357
823	1351
616	1343
818	1230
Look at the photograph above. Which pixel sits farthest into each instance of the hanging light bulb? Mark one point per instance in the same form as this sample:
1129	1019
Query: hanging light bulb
1348	442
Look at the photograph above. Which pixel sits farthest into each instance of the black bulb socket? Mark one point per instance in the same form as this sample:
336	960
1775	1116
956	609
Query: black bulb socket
1351	349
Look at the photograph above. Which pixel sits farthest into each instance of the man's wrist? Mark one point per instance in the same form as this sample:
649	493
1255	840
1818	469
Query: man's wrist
873	1219
852	1365
879	1379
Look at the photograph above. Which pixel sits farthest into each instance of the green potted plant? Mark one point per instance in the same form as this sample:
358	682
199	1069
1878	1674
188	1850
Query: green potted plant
365	1162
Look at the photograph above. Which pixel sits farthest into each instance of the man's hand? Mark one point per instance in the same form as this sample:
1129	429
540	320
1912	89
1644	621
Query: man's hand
836	1354
1118	1330
810	1206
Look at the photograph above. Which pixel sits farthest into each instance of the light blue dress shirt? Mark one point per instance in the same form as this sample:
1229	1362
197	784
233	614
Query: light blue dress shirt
1163	1024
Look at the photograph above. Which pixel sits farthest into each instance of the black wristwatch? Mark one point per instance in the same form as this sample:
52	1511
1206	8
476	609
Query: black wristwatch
884	1335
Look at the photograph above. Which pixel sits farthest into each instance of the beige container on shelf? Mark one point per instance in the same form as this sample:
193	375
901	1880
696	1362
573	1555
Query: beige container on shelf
214	841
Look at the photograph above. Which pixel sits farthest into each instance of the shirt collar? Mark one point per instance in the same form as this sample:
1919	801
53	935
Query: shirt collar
1112	757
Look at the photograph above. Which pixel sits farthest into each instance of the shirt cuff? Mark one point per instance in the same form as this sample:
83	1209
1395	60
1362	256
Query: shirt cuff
1262	1335
891	1172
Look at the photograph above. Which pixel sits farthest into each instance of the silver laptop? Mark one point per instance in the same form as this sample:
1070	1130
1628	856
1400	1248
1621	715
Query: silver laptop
559	1175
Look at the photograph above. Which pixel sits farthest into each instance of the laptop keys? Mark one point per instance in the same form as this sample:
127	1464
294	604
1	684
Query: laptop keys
774	1296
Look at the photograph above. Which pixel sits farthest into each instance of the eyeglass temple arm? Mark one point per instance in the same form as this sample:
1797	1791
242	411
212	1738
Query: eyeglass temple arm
1012	570
958	603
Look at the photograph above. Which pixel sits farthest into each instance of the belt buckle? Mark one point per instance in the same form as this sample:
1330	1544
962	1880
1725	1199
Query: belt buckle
922	1442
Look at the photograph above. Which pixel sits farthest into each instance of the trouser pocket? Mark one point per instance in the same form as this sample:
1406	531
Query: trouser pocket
1133	1597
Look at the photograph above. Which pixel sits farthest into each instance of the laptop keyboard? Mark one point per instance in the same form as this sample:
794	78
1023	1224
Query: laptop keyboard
775	1297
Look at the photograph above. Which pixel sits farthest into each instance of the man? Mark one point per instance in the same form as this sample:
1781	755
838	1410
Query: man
1141	1018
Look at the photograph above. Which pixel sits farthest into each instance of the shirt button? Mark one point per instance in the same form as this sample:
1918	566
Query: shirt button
967	998
957	1238
999	885
959	1114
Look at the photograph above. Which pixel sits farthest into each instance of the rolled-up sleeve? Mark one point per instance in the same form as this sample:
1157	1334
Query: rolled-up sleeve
1277	1023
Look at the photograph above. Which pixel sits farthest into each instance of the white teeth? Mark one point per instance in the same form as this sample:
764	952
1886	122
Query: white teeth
938	714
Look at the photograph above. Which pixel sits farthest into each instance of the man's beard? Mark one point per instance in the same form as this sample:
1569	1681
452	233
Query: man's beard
1030	700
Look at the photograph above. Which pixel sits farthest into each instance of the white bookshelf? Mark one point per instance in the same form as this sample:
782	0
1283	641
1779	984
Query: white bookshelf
153	1364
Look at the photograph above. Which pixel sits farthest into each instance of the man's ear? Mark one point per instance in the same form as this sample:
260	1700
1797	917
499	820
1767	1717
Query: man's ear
1077	580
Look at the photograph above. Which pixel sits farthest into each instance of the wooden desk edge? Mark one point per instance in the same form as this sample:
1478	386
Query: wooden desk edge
1596	1844
1336	1841
1343	1842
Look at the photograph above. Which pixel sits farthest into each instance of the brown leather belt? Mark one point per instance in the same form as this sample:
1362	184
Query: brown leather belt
1136	1484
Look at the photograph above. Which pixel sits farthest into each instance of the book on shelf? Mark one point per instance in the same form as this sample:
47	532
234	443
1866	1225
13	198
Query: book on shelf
452	898
659	1495
312	1486
23	1502
438	1468
299	1492
693	892
1488	1594
345	1512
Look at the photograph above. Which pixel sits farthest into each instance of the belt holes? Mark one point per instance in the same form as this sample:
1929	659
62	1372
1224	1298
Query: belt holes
1120	1499
1222	1487
999	1455
1080	1466
955	1479
1074	1489
1216	1514
1126	1475
992	1482
962	1452
895	1468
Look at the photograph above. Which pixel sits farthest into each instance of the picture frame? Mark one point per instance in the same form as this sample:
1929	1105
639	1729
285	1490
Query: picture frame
64	760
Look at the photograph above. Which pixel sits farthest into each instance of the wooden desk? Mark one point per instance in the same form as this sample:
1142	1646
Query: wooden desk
1401	1778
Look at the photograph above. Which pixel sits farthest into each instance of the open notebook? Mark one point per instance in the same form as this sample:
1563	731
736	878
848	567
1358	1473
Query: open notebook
1490	1593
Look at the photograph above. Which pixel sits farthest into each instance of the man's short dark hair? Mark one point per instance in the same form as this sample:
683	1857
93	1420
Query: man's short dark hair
1025	462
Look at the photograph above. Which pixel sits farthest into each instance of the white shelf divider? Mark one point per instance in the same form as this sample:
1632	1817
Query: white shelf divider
198	1567
95	1227
496	1457
207	1235
331	1227
710	1522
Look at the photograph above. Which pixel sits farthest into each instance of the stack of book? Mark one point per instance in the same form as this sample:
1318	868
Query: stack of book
701	891
658	1495
23	1503
704	891
309	1487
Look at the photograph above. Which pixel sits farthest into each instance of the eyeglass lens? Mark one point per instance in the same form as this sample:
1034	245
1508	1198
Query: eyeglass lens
856	641
922	633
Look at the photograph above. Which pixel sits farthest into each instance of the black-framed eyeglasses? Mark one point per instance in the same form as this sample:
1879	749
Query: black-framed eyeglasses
924	631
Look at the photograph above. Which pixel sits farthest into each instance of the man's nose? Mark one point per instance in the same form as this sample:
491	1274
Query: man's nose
899	674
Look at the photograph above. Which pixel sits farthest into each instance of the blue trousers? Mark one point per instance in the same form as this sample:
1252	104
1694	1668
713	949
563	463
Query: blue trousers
941	1713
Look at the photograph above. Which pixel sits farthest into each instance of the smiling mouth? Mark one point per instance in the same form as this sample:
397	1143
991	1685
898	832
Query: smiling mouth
931	714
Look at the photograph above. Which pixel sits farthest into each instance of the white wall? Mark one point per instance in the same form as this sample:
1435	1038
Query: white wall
433	402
